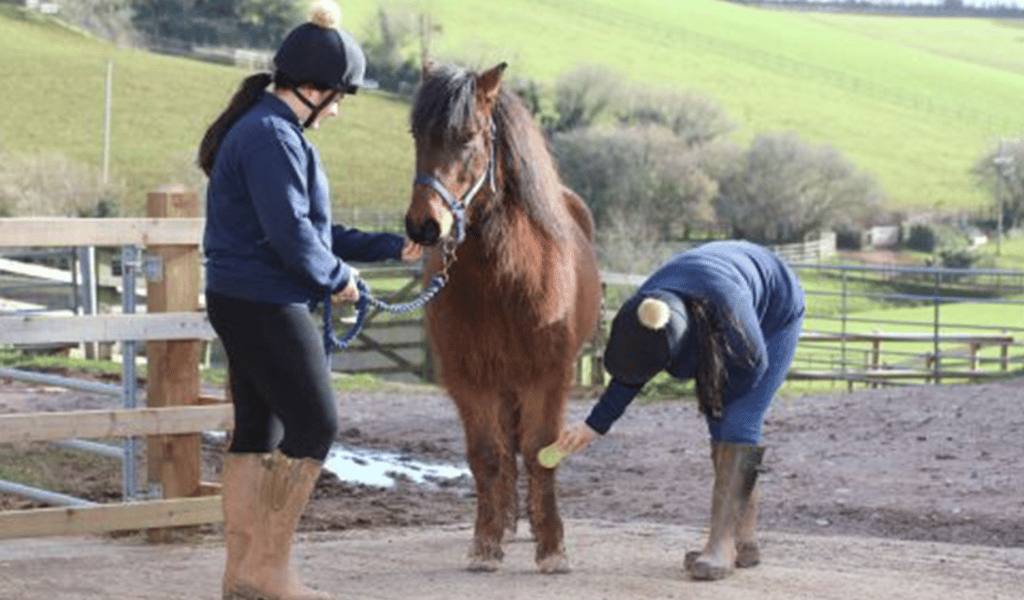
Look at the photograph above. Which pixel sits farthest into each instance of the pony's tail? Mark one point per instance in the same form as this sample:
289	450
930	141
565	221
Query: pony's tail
247	95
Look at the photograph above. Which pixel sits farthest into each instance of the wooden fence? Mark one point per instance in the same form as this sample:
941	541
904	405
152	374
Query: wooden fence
175	330
874	371
174	415
941	351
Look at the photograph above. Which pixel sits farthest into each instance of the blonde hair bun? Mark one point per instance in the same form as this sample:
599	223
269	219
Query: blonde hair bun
653	313
325	13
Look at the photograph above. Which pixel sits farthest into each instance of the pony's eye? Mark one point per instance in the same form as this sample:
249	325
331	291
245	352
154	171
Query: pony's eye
467	149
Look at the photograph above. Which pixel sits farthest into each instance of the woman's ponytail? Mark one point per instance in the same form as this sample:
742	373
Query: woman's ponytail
245	98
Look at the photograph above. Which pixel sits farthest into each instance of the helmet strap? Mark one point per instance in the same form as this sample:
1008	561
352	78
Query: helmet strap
315	110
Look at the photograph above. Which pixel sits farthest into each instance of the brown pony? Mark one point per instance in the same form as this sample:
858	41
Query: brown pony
522	293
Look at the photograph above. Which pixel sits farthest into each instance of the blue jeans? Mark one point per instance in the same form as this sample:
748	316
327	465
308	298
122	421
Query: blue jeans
743	416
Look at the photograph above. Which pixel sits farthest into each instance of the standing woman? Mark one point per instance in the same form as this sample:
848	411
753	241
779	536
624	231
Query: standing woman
271	251
728	315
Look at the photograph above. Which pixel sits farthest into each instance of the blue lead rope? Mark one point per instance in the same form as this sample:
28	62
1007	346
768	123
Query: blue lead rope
366	300
363	306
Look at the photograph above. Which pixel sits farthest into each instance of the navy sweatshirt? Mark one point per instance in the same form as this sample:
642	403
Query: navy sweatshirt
748	283
269	235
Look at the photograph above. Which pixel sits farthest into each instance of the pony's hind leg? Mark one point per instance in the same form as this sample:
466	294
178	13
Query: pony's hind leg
492	460
541	421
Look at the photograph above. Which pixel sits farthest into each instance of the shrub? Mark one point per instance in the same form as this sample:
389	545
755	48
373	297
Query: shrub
782	190
51	184
922	238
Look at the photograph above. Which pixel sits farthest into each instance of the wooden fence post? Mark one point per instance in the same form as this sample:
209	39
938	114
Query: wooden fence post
173	461
876	354
1004	354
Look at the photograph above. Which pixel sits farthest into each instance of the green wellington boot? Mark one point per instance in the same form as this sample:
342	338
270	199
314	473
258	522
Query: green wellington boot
732	537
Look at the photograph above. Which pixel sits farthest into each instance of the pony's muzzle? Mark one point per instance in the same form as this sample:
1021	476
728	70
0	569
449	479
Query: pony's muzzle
428	230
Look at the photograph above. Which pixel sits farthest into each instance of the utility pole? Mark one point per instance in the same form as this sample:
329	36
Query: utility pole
427	31
106	121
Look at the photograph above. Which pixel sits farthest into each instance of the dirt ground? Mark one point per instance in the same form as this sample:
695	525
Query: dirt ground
897	492
937	463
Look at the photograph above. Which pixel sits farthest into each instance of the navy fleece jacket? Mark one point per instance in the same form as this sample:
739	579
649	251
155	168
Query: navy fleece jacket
748	283
269	236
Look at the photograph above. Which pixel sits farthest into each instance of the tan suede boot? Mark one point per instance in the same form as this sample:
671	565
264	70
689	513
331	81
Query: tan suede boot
283	485
238	498
735	479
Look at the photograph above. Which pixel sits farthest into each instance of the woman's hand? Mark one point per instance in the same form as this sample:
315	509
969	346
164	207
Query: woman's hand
575	437
349	293
411	251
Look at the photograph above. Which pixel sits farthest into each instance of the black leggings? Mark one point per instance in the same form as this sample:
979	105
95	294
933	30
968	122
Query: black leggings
277	367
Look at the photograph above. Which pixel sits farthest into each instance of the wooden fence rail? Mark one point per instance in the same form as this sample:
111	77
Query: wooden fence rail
59	232
174	329
59	425
875	371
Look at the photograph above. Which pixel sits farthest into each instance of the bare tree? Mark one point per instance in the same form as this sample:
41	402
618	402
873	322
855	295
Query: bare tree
581	97
1001	171
51	184
646	171
393	40
628	244
692	117
108	19
781	190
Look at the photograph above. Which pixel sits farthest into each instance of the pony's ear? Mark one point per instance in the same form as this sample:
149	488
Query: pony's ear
488	83
428	66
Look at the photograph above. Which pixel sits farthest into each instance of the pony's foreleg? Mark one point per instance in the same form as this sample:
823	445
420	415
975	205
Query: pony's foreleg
541	421
492	460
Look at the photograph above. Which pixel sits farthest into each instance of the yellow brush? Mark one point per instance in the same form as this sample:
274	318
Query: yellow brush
550	456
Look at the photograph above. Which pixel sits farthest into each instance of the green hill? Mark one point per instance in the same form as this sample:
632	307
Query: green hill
914	101
54	96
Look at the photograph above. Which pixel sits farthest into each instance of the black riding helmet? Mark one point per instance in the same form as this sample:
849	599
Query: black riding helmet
636	352
320	54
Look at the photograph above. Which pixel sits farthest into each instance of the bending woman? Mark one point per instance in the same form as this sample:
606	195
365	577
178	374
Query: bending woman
728	315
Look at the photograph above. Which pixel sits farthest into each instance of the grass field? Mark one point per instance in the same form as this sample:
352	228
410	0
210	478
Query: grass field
914	101
894	103
161	106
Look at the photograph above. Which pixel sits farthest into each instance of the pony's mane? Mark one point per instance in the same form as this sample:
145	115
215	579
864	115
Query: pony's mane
443	112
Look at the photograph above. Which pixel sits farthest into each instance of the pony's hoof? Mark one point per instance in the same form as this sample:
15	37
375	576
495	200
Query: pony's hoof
554	564
704	570
691	557
479	564
748	554
484	556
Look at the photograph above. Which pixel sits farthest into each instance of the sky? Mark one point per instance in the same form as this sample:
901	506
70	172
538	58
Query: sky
939	2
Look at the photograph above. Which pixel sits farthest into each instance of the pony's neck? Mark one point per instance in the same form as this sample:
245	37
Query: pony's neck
513	246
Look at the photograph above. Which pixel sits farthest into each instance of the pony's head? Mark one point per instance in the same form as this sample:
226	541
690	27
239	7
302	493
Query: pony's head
453	125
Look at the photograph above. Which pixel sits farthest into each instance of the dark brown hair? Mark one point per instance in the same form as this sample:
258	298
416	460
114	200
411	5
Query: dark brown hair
245	98
714	349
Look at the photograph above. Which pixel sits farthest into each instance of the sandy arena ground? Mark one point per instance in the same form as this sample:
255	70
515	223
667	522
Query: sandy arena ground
891	493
